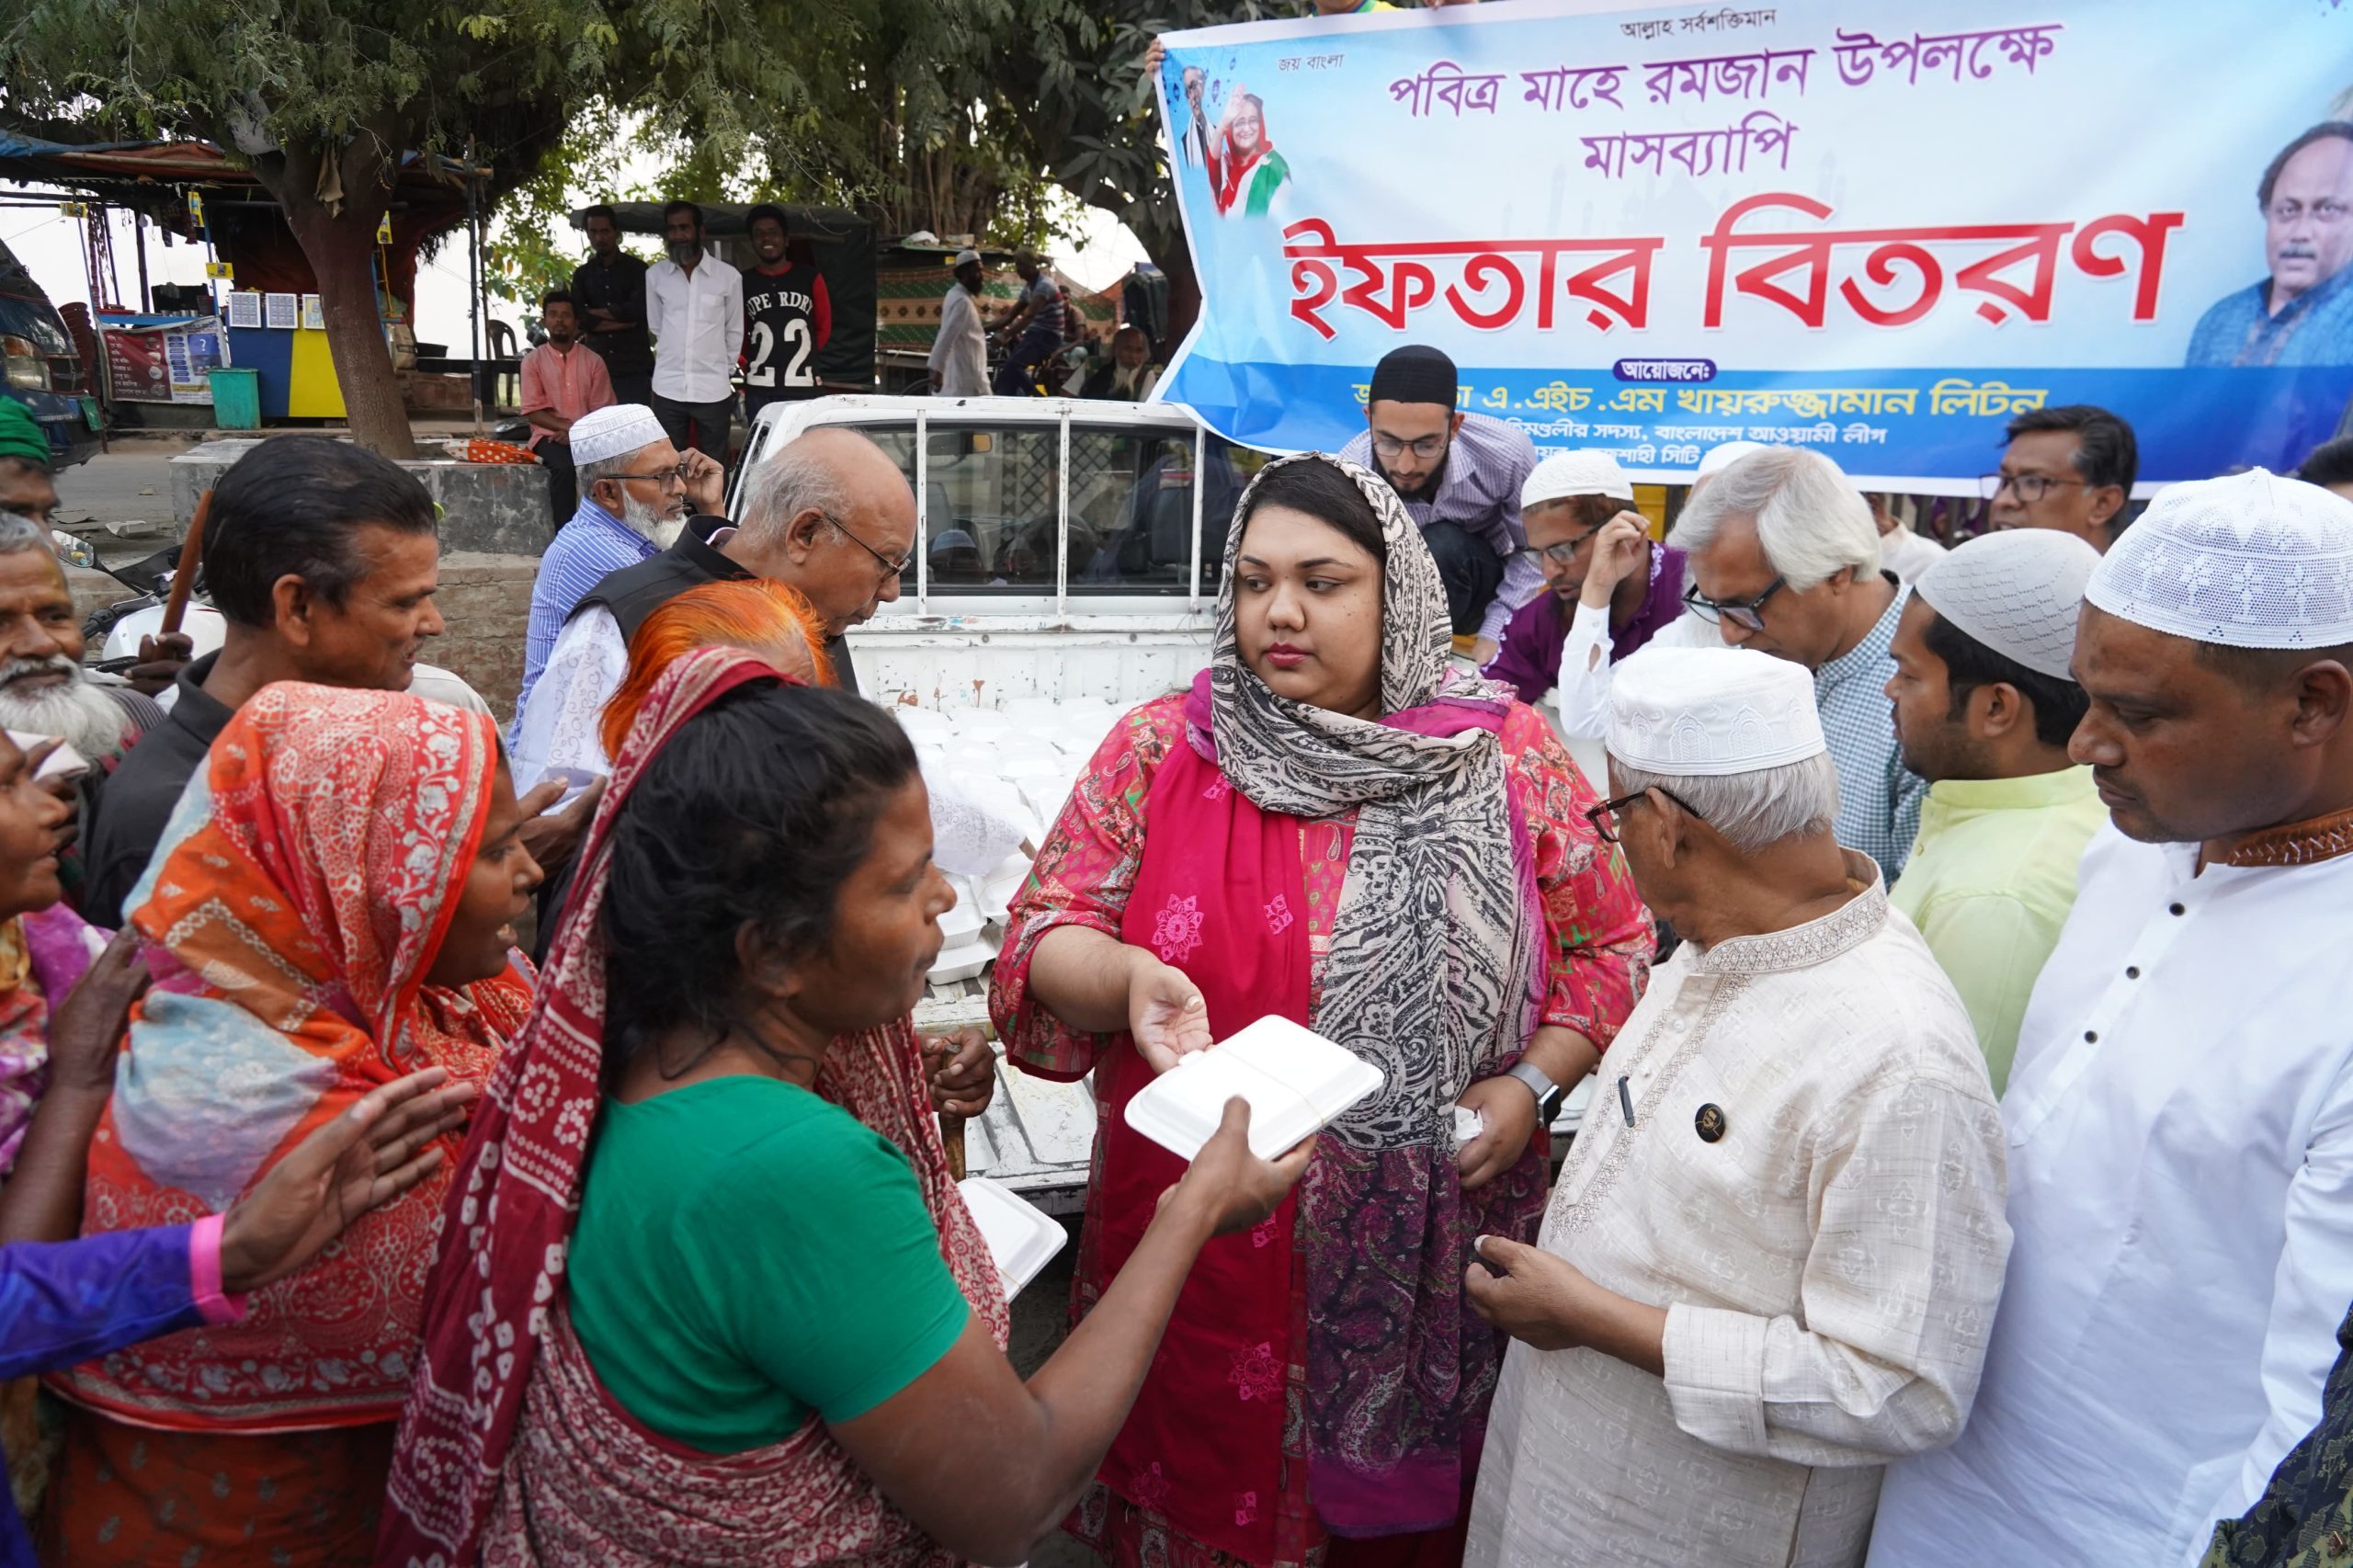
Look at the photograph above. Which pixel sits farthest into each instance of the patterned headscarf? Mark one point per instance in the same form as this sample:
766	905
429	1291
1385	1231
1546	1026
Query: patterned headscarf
297	899
1433	973
515	1196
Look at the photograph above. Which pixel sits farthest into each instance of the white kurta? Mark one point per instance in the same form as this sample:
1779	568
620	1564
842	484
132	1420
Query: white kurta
561	735
1829	1266
2180	1123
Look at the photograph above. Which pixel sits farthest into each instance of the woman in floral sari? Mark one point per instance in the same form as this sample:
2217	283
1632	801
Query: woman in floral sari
1331	827
330	909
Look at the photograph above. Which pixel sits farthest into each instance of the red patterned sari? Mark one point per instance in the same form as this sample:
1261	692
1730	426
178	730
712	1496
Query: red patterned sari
291	916
511	1452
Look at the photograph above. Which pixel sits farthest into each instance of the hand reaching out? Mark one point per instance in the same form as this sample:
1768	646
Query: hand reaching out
370	1154
1165	1013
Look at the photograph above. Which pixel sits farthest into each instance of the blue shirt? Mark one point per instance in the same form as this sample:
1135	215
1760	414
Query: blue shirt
1879	798
2313	328
590	548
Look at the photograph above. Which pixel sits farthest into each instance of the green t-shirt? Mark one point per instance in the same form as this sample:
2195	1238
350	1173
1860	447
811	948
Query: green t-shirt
748	1251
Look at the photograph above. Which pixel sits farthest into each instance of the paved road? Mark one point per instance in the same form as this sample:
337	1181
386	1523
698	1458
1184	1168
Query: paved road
132	481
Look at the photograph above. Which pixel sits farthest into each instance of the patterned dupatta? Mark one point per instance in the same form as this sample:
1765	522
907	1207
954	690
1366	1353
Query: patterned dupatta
509	1450
43	954
1435	975
291	915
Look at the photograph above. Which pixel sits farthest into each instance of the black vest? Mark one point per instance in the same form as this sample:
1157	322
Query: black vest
635	592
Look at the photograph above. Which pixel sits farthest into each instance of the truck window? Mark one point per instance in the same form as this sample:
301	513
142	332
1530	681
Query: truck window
994	510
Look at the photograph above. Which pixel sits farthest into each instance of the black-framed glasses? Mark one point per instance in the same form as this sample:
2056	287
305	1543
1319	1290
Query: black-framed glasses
1748	613
1560	554
890	568
1603	815
2030	487
1424	448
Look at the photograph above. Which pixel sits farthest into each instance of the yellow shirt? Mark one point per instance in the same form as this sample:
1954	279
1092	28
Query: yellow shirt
1989	882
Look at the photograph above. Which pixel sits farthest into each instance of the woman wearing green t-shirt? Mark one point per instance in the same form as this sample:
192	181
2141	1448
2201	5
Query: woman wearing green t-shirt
707	1293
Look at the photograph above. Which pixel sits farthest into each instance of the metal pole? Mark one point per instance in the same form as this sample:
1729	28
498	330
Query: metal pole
474	283
138	228
1061	527
1201	476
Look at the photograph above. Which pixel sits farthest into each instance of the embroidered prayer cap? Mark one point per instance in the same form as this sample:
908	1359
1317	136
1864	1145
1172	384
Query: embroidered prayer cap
966	257
2016	592
1718	459
2247	561
1415	373
603	434
1563	474
1706	712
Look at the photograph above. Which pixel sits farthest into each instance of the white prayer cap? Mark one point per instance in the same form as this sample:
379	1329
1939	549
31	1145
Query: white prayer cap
603	434
2249	560
2016	592
1712	711
965	257
1563	474
1722	457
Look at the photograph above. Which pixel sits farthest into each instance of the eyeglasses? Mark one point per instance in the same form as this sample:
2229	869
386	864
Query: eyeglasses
890	568
2030	487
667	478
1424	448
1748	613
1604	817
1560	554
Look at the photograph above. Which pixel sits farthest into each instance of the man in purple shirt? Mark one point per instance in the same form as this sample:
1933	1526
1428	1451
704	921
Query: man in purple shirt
1458	475
1599	564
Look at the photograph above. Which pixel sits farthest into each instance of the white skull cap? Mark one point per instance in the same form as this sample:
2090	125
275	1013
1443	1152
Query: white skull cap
2247	561
614	431
1710	712
1564	474
2016	592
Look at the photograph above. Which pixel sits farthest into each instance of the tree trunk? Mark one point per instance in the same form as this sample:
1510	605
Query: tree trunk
339	250
339	246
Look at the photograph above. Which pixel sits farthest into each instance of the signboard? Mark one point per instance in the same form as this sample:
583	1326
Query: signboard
164	363
1879	230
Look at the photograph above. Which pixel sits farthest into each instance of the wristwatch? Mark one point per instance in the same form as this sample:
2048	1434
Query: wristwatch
1549	1095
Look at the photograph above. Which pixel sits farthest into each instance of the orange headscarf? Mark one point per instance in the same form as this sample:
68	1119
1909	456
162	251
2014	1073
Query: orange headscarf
758	615
290	917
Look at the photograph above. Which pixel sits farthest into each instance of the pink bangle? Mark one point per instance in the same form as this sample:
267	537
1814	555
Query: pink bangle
204	1272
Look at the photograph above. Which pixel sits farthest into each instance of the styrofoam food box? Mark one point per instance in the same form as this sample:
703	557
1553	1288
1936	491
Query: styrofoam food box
962	962
1022	1240
1296	1082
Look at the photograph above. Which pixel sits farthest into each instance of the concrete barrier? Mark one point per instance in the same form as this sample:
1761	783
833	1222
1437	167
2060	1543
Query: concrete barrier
489	508
485	601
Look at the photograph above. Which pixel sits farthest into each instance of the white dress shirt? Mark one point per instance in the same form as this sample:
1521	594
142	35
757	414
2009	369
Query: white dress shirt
2180	1119
697	320
959	353
1829	1261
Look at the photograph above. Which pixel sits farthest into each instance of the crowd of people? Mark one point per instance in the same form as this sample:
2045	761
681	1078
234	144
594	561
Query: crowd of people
431	1145
675	337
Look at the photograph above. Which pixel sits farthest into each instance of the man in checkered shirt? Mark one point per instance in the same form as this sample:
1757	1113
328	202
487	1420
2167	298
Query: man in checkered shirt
1784	557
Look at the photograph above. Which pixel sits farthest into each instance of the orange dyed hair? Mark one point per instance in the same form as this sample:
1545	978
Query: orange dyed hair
765	618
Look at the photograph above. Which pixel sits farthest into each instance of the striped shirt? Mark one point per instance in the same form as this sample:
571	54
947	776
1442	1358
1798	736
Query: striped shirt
1879	798
1478	492
591	547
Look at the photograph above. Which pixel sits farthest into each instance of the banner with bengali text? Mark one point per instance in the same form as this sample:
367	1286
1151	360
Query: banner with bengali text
1878	229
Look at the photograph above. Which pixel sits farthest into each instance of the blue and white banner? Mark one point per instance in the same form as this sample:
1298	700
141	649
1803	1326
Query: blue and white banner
1879	230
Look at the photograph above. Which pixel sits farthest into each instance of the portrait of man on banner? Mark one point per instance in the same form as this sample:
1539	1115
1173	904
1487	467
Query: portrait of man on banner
2301	313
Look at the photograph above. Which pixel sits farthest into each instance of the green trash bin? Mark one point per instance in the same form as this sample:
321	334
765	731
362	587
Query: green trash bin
236	398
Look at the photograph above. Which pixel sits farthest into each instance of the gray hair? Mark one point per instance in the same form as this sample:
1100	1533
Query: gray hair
799	478
1753	812
587	474
1810	520
18	532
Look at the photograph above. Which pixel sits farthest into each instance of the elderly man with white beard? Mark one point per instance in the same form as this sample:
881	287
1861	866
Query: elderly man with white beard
44	690
636	492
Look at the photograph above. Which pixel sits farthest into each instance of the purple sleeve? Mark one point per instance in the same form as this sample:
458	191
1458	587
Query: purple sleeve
66	1302
1529	659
